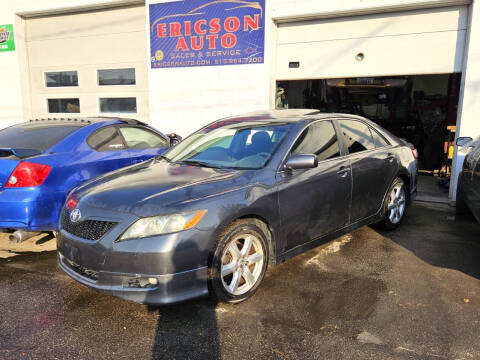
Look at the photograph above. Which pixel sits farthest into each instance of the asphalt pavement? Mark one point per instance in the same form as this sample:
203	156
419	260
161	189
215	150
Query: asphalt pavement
413	293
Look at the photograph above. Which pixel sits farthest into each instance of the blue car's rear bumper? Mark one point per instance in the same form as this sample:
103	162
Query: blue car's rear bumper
29	209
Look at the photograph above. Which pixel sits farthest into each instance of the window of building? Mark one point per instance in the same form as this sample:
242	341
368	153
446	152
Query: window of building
137	138
118	105
61	78
64	105
106	139
116	77
357	136
319	139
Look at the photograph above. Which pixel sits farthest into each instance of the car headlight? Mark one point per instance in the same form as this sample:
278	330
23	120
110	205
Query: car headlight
164	224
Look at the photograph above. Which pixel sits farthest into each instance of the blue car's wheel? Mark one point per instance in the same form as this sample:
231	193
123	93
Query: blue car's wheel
239	261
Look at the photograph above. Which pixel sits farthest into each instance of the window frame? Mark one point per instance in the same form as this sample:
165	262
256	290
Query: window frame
134	73
63	86
347	153
63	98
148	129
281	166
388	144
117	97
125	147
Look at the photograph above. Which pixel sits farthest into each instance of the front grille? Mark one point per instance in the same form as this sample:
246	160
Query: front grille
82	270
88	229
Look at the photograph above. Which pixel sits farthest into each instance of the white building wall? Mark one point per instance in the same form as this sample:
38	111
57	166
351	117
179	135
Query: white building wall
14	79
468	123
11	108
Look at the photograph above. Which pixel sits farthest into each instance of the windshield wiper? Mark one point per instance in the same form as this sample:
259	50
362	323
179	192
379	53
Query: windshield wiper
200	163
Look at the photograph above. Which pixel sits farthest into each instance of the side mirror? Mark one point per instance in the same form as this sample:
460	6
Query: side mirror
301	161
174	139
463	140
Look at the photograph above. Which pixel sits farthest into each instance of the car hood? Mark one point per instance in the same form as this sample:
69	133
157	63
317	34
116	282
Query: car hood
153	187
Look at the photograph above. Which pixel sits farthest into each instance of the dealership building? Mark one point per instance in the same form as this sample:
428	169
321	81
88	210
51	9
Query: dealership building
411	66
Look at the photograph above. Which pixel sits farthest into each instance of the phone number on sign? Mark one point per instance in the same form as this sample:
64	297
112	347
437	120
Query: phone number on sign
208	62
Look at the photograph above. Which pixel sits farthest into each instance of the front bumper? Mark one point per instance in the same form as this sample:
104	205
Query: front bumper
177	261
170	288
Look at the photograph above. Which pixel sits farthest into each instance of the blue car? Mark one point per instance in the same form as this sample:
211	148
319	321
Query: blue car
42	160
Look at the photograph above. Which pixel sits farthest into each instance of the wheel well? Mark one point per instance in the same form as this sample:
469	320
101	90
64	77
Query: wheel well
406	181
272	259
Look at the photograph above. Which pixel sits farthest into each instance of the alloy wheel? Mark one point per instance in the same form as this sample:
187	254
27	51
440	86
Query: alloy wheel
396	203
241	264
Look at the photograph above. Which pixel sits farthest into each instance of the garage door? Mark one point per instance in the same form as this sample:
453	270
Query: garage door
89	63
413	42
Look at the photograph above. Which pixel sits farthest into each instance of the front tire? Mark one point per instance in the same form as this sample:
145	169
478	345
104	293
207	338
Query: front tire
239	261
395	205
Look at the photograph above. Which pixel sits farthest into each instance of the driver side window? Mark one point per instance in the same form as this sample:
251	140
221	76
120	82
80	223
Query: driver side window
320	139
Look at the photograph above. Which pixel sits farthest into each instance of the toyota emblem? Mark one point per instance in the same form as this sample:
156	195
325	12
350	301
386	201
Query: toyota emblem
75	216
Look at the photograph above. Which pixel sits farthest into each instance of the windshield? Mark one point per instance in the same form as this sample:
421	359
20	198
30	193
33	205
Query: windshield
34	136
240	146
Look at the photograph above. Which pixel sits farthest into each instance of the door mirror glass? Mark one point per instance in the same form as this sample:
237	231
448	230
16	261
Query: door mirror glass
464	141
301	161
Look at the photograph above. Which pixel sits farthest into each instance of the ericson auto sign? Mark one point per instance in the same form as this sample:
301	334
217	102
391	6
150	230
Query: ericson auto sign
207	33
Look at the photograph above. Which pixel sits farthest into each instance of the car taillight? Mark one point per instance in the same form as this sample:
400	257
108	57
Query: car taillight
28	174
415	153
71	202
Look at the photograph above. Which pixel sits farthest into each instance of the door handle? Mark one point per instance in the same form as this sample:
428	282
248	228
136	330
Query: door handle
343	172
390	157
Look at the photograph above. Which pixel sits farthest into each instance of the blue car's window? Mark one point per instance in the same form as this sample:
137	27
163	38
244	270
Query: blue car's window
106	139
137	138
241	146
37	136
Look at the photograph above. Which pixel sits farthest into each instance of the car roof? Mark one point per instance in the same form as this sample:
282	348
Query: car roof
289	115
79	121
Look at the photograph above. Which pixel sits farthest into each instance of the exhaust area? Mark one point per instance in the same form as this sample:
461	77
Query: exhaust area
21	236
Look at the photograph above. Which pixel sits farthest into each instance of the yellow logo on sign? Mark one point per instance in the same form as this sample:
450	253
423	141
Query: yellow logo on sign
159	55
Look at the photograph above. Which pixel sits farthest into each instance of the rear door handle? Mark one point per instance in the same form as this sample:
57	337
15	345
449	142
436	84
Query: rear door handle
390	157
343	172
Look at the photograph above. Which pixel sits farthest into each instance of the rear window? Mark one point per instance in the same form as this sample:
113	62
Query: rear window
40	137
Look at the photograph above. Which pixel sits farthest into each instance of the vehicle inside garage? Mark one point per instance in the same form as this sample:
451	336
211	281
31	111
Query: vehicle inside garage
419	108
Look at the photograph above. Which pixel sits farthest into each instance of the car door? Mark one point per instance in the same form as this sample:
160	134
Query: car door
142	143
373	164
314	202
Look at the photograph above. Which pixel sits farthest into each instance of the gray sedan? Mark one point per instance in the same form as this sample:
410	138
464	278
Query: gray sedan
468	194
238	195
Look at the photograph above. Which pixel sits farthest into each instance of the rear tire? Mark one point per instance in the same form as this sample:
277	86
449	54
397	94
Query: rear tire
460	205
394	206
239	261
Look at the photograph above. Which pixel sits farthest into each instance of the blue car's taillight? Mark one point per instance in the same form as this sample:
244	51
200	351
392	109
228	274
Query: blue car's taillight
28	174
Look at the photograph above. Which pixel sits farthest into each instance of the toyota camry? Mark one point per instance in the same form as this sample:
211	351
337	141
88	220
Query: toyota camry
243	193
